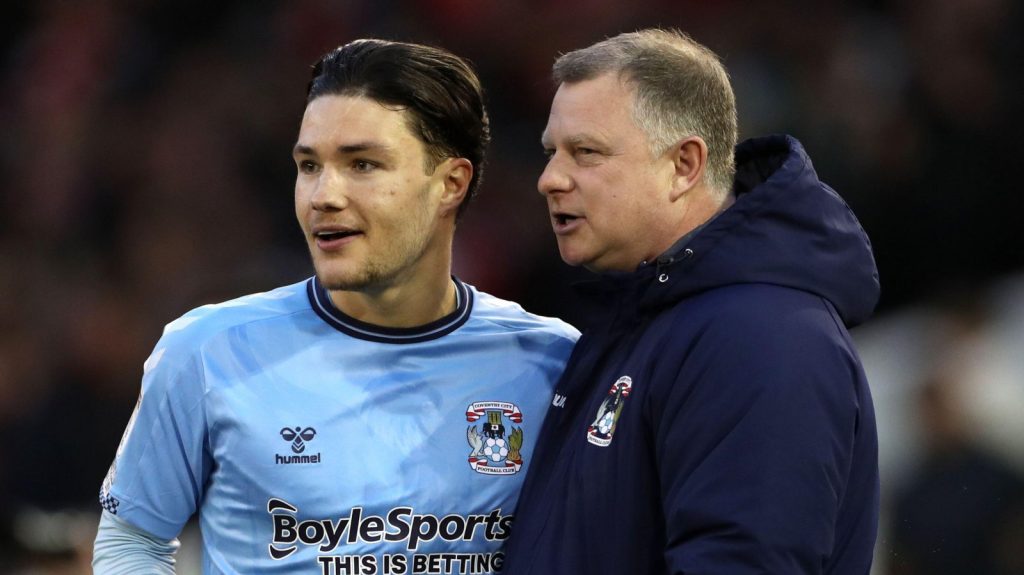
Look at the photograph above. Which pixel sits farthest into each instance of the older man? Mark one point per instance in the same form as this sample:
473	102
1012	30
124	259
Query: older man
715	419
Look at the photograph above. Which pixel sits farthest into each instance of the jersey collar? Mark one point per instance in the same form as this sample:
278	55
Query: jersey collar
325	308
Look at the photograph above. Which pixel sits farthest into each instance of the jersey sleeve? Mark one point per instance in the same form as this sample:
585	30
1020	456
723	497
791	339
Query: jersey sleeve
122	549
158	475
754	445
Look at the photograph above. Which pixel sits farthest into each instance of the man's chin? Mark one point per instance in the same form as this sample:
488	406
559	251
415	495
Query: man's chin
334	280
589	262
346	285
575	259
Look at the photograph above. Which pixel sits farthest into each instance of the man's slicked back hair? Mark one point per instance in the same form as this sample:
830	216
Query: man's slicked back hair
680	89
439	91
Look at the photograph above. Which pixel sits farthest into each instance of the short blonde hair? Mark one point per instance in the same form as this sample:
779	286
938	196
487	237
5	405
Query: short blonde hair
680	88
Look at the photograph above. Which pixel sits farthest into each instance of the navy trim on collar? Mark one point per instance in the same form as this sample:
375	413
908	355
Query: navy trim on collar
325	308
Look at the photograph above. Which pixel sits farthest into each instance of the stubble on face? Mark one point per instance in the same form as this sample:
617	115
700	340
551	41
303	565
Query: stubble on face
394	254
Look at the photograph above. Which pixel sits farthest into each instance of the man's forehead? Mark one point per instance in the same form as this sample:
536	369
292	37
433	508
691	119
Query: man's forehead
595	111
353	123
328	112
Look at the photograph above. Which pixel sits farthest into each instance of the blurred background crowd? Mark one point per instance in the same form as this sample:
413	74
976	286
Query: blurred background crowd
145	169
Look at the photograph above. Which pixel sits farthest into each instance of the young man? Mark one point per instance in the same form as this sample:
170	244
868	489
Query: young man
715	419
376	418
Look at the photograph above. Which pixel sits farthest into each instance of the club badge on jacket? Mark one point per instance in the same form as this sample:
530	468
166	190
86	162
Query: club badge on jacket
602	430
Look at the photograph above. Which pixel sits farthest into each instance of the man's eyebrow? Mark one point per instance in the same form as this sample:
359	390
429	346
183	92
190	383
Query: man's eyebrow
303	150
362	147
578	139
574	140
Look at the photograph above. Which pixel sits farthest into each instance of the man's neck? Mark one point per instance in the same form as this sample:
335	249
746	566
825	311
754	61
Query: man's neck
698	214
402	304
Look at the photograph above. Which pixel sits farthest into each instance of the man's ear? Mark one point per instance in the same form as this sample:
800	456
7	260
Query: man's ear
690	159
456	174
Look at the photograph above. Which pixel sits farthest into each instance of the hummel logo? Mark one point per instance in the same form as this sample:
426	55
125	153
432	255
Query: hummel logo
558	400
297	437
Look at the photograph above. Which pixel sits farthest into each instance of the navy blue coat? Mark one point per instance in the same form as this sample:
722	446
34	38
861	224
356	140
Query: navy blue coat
716	419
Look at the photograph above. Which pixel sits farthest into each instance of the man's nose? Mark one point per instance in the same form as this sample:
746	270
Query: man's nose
555	178
329	193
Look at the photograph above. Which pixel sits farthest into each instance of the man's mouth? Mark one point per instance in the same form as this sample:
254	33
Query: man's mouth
565	222
334	238
563	218
334	235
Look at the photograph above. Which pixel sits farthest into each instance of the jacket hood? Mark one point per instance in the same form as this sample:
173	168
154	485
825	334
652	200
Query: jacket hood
786	228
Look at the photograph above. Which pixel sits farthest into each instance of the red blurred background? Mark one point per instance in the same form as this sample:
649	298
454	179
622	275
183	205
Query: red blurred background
145	170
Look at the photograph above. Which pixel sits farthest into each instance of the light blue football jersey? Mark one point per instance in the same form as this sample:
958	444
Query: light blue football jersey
310	442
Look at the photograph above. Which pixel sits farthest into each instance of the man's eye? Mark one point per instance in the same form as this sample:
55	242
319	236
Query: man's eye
308	167
585	151
363	166
549	153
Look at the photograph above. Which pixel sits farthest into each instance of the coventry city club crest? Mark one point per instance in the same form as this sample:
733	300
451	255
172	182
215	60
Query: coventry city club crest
496	449
601	431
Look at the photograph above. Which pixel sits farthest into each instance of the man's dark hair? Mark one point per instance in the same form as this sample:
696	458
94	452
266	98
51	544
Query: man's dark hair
439	90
